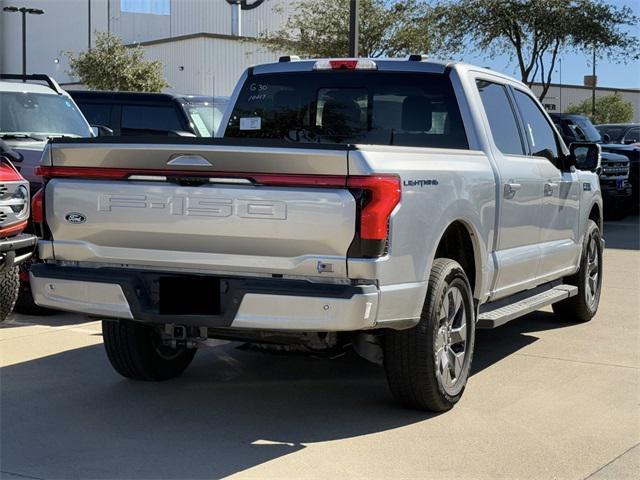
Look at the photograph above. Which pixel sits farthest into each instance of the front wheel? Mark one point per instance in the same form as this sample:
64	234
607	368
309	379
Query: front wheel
9	284
428	365
583	306
136	351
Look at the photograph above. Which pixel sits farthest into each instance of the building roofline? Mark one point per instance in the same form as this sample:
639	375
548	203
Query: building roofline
178	38
583	87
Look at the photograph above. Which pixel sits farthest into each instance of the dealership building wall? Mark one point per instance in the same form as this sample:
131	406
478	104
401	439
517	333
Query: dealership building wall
559	97
192	38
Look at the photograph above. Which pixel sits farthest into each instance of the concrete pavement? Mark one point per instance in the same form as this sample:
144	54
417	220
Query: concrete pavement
547	400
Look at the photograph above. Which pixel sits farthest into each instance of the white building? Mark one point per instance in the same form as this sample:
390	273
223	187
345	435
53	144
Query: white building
559	97
202	44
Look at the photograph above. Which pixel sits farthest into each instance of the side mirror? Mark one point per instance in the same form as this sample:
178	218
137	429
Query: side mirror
585	155
606	138
101	131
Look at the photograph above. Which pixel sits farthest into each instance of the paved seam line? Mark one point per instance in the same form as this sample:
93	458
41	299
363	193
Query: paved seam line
609	463
21	475
577	361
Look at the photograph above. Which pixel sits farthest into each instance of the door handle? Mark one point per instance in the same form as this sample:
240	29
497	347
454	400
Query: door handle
510	189
548	188
186	160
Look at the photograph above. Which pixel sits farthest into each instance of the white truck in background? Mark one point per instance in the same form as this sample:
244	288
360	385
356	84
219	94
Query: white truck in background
395	205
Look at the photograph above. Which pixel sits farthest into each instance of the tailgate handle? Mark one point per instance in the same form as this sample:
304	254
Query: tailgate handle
183	160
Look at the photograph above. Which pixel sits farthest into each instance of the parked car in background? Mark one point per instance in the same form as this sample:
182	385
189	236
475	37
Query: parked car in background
16	246
614	174
135	113
622	133
390	205
34	109
624	138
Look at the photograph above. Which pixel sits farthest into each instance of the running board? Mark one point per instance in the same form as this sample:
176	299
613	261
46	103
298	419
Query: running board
505	310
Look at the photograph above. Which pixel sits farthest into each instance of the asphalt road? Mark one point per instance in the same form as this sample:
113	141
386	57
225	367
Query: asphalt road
547	400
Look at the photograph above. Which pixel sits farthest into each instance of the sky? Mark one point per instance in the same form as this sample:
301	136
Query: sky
575	66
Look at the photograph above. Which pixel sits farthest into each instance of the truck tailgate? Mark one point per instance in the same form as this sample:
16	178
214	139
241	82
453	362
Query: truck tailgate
150	210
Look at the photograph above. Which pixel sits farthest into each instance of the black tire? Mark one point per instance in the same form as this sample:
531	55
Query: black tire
9	285
135	352
411	357
583	306
25	304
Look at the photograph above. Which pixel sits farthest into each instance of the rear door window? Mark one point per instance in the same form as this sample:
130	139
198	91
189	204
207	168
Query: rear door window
382	108
539	132
502	119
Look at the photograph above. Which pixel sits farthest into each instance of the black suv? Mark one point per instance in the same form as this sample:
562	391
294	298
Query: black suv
614	175
135	113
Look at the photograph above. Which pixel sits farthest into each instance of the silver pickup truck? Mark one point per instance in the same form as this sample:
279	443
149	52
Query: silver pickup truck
391	205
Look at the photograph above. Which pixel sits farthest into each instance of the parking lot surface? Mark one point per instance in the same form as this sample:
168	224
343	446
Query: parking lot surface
547	399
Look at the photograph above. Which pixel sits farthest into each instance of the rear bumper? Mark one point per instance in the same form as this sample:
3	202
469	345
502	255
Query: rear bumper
15	250
252	303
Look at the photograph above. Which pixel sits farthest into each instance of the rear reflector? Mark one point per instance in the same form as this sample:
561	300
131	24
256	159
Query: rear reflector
345	64
37	207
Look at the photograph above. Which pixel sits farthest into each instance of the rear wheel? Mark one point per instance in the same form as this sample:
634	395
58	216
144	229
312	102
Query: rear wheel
136	351
583	306
428	365
9	284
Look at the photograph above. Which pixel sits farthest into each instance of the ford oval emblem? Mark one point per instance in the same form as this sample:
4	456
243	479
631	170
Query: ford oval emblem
75	217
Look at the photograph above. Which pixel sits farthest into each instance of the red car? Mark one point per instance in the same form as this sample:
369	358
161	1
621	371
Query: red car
15	245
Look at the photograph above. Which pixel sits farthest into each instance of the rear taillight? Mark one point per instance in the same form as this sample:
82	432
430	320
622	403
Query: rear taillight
377	197
382	194
37	207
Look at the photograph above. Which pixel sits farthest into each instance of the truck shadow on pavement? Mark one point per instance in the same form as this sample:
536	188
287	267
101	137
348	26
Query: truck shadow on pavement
69	415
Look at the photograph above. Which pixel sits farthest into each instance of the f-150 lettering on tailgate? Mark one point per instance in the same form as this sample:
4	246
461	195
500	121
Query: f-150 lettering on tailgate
196	206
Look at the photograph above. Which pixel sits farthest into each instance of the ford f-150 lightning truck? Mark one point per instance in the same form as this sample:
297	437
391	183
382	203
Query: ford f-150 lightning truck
393	205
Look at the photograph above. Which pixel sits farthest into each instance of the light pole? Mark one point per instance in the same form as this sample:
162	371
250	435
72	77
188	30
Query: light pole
89	22
593	84
354	15
560	61
24	11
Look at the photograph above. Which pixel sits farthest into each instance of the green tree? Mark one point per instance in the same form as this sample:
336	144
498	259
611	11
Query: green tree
536	32
609	109
112	66
320	28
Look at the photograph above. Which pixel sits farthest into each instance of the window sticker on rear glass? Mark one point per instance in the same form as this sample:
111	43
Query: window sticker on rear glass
199	123
250	123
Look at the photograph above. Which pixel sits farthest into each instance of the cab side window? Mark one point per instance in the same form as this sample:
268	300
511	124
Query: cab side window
537	129
502	119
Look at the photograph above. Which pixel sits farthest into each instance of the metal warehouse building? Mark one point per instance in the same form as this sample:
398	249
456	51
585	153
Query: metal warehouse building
204	44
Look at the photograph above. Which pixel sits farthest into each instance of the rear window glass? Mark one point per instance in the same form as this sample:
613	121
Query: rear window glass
96	114
141	117
381	108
